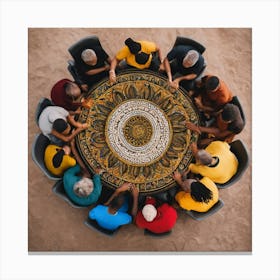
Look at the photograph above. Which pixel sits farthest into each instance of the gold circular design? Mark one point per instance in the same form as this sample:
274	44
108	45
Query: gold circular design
155	175
138	131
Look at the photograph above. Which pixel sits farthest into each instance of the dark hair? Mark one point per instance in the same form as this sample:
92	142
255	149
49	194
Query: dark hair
57	159
141	58
60	125
117	202
200	193
230	112
133	46
212	83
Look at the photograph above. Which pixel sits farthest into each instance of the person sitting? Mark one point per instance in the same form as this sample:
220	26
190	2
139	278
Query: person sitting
113	213
68	95
158	220
216	162
137	54
57	159
94	65
228	123
211	94
55	123
187	65
197	195
80	187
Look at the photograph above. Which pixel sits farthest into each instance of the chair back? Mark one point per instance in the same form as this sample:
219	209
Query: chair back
199	216
153	234
39	146
236	102
85	43
92	224
43	103
189	42
241	153
58	189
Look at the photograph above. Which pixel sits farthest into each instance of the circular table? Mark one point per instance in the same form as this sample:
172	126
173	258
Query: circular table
137	131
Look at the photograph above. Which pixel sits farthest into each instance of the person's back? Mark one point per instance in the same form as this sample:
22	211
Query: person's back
187	202
71	178
58	159
164	220
225	166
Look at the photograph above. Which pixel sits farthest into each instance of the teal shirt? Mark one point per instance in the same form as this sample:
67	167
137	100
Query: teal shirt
69	180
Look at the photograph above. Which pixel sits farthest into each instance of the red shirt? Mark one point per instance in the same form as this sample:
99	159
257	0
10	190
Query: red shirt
60	98
164	221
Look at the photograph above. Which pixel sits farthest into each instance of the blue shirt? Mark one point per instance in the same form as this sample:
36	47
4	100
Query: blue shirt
70	179
110	221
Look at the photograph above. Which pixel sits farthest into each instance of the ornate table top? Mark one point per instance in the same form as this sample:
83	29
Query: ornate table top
137	131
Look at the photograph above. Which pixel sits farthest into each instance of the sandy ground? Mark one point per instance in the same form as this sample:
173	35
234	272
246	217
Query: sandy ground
55	226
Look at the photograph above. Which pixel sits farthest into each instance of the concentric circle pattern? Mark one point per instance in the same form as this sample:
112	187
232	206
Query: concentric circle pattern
137	131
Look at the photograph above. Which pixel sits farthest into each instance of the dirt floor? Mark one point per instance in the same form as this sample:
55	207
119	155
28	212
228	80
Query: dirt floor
55	226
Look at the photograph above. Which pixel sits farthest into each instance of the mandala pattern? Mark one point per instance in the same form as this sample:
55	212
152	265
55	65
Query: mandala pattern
137	131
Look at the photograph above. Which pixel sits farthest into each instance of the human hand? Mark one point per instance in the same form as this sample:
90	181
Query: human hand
173	84
198	102
98	171
84	87
177	175
112	77
107	67
193	127
124	187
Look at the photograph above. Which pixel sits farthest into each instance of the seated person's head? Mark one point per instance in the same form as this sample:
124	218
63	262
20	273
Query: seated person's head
230	113
84	187
212	84
117	202
149	212
58	157
190	59
203	157
72	90
134	47
89	56
61	126
200	193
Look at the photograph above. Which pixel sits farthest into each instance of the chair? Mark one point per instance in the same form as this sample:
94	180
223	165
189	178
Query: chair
240	151
197	46
38	152
163	234
43	103
75	50
236	102
199	216
189	42
92	224
58	189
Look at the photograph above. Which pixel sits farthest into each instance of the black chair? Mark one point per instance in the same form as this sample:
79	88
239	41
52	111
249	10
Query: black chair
163	234
75	50
236	102
189	42
43	103
241	153
92	224
58	189
39	146
196	46
199	216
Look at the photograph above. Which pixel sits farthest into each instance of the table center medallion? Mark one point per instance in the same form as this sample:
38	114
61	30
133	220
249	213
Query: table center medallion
137	131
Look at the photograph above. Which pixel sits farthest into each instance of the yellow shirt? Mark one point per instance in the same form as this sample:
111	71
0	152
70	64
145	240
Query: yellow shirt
66	163
187	202
146	47
226	167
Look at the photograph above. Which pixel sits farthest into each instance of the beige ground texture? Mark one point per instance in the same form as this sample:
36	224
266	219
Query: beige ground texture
55	226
